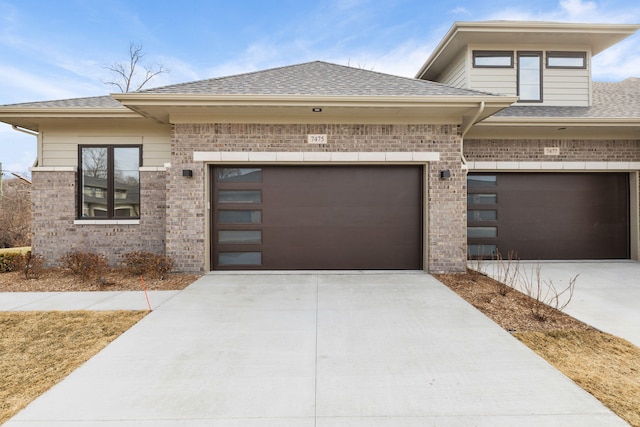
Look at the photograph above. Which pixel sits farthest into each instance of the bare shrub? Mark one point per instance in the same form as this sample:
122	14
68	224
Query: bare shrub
507	272
86	265
543	293
140	263
33	266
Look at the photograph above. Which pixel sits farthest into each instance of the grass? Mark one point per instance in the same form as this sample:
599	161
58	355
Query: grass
38	349
22	250
606	366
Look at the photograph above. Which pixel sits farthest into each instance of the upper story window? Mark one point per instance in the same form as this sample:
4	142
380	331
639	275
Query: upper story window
492	59
530	76
566	60
110	181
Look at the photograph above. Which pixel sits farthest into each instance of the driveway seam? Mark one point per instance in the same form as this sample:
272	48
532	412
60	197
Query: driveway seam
315	391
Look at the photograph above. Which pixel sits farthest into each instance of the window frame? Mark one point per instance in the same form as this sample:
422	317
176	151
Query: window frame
490	53
566	54
530	54
110	190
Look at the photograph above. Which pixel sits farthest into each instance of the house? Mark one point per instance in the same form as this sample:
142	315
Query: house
502	138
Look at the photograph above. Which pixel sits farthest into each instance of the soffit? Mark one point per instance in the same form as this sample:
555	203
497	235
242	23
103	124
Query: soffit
304	109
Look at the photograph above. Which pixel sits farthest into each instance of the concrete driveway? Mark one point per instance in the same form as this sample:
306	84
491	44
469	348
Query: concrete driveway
328	350
607	293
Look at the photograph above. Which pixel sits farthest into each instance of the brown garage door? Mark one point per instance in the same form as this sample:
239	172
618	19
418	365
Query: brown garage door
549	215
317	217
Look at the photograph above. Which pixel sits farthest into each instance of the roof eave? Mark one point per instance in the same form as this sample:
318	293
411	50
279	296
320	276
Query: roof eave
132	99
565	121
618	31
31	118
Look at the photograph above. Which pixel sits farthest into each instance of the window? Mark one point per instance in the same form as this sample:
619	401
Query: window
492	59
566	60
110	181
530	76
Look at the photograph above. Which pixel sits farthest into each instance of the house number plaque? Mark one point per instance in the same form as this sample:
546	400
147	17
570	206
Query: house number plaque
319	138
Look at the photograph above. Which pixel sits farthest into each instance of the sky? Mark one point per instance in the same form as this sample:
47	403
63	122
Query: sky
60	49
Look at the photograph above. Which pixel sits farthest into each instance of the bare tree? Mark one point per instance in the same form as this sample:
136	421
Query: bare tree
94	162
128	76
15	213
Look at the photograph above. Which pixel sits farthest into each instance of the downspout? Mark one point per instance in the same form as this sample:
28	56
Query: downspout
466	128
32	133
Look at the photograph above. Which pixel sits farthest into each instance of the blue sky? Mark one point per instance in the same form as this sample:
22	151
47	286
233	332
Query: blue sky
58	49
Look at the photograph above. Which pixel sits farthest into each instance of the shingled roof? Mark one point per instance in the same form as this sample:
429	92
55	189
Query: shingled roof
610	100
316	78
91	102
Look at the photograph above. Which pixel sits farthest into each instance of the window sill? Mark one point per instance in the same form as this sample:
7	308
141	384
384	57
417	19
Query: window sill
106	222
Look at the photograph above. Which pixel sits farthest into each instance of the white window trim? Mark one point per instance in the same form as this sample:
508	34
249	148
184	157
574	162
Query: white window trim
106	222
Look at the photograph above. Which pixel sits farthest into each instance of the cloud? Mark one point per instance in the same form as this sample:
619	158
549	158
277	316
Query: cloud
570	11
460	10
18	85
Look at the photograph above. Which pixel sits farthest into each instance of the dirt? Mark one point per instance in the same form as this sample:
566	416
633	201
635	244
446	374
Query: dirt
509	308
61	280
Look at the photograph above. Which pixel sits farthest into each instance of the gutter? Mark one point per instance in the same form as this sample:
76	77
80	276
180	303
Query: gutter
27	131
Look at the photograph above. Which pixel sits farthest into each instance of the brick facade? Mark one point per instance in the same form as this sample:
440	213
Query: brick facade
522	150
186	197
54	212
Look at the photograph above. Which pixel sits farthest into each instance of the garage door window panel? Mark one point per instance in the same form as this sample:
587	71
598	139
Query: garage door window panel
240	196
239	174
239	258
239	216
482	215
240	237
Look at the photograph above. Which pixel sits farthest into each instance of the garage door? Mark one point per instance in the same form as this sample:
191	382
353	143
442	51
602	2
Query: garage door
549	215
317	217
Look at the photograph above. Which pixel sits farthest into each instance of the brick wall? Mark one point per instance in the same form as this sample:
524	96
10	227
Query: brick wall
570	150
186	197
54	212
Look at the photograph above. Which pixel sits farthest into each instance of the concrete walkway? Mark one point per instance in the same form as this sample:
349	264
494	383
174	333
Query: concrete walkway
328	350
97	301
607	293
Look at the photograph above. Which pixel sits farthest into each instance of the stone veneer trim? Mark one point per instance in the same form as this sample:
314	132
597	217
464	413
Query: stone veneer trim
571	166
316	156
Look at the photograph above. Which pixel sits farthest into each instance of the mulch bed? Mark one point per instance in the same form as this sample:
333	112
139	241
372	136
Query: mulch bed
61	280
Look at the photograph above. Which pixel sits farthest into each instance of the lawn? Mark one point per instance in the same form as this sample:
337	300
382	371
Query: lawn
38	349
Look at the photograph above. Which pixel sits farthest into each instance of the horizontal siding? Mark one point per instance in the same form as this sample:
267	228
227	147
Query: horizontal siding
495	80
566	87
60	144
455	75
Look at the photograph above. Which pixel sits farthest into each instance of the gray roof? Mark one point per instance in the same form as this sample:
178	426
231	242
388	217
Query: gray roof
315	79
92	102
610	100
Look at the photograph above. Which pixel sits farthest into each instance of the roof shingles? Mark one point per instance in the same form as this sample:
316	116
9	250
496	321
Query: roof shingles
610	100
316	78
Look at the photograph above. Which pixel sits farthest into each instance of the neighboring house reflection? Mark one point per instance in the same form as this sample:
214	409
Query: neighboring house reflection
94	198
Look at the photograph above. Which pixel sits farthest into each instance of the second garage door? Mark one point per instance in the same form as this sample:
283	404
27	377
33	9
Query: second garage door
549	215
317	217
